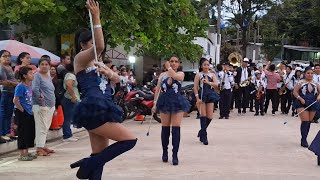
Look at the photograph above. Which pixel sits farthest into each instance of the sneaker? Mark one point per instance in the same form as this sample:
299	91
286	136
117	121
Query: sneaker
273	113
256	114
25	158
6	138
70	139
34	156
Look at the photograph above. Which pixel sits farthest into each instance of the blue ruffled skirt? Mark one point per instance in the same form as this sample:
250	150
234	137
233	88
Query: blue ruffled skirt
209	97
309	100
170	103
315	145
93	112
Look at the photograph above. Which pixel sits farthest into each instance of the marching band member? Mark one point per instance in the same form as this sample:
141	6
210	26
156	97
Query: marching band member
316	78
206	96
273	79
286	98
306	93
296	80
171	105
251	86
226	83
260	86
242	93
97	112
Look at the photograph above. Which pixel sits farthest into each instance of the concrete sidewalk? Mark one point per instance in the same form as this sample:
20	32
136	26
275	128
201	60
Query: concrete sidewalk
240	148
52	135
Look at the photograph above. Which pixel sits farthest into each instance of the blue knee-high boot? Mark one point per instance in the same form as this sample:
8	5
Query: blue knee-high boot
304	129
89	165
315	147
165	134
97	174
203	131
208	122
175	144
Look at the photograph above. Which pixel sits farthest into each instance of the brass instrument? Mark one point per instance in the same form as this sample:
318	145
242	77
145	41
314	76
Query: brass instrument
222	81
245	83
235	59
283	90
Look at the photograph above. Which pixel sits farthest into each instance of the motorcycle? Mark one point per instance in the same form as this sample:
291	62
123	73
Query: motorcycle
142	101
187	92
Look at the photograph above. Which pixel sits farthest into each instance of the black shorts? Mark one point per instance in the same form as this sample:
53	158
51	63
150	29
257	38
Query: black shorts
26	129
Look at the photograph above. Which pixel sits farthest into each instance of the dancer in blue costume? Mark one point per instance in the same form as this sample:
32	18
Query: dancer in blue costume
307	92
204	82
96	112
171	105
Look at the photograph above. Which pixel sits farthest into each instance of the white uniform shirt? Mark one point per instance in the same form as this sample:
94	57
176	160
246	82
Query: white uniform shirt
244	74
228	79
288	79
316	78
258	83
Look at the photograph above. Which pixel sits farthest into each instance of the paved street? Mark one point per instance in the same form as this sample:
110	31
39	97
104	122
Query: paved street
241	148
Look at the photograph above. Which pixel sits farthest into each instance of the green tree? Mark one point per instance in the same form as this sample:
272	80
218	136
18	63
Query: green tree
243	12
39	17
157	28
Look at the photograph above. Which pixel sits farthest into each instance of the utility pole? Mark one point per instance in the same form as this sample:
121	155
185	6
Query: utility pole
218	32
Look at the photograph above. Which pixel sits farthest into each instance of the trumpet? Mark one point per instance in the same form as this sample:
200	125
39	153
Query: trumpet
245	83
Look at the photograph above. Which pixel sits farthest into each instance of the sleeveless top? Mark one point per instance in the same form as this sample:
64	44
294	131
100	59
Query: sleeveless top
171	100
209	95
308	96
92	85
96	107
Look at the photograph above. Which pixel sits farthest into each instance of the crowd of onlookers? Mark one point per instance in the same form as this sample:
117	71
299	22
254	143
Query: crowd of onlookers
31	96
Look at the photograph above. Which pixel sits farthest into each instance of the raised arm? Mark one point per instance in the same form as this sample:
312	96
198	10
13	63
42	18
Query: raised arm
85	57
179	76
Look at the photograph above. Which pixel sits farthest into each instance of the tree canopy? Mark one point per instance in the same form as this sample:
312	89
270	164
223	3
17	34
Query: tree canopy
155	27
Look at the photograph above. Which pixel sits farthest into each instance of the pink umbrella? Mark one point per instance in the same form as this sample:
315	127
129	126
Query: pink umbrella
16	47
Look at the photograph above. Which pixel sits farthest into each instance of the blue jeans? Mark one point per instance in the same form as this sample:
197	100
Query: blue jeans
6	111
67	107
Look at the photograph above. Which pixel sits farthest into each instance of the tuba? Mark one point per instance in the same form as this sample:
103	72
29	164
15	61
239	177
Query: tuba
235	59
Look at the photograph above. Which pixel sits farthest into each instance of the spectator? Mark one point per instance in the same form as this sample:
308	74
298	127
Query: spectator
8	82
24	59
114	68
123	77
23	114
108	62
70	99
58	86
65	60
43	105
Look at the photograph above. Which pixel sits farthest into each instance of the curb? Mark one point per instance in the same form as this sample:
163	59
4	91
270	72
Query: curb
52	135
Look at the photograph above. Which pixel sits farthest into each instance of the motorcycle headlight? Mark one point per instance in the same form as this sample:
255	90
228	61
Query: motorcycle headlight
137	95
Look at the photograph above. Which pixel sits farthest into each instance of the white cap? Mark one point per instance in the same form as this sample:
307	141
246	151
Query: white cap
257	72
298	69
245	60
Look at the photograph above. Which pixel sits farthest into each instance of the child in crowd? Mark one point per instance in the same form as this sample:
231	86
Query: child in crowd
23	114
